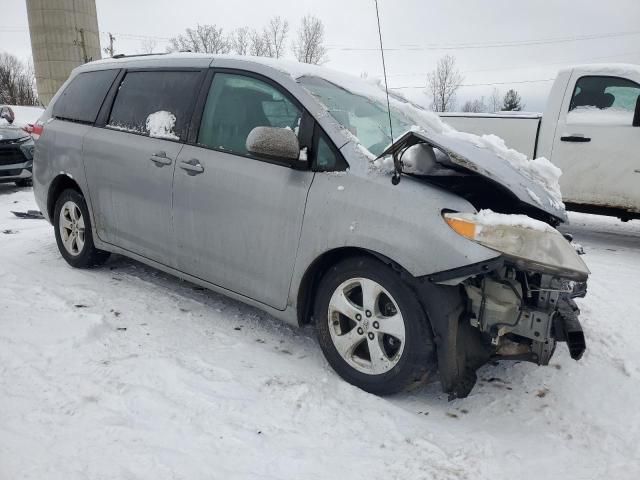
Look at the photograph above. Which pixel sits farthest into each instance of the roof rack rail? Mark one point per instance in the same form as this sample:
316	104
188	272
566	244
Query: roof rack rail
122	55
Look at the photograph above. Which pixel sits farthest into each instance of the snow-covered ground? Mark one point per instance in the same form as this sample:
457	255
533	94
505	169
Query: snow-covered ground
24	115
123	372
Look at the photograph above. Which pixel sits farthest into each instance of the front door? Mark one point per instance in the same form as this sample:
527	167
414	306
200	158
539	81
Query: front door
237	218
596	144
130	161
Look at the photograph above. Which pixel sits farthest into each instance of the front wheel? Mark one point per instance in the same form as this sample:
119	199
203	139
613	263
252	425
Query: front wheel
371	327
72	226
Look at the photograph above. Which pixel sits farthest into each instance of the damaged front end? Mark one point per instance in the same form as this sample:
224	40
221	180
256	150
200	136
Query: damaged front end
523	314
502	312
517	306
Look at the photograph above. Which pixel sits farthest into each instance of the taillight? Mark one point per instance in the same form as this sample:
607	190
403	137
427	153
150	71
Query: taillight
35	130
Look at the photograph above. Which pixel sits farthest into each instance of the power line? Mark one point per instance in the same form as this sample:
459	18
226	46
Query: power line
567	62
479	84
465	46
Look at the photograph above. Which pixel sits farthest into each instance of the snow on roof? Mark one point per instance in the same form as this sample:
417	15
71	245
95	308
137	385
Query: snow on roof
617	69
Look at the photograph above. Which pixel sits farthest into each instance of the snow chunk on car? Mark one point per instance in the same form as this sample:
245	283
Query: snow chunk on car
161	124
489	218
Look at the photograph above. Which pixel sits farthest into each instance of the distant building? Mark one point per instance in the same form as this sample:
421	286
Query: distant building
64	34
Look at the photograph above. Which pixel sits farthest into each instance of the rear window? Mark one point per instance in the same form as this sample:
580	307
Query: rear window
155	103
83	97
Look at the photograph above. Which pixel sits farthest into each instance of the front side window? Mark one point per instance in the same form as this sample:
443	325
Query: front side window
236	104
605	100
155	103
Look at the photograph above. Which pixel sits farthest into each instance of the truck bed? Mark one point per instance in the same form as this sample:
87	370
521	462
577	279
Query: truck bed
518	129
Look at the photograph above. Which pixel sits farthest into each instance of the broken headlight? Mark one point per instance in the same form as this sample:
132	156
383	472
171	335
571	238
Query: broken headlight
527	243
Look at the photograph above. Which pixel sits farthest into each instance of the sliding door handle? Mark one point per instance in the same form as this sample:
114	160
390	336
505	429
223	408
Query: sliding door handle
575	138
160	159
192	167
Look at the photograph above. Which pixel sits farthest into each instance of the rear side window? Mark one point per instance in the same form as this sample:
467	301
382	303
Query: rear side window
155	103
83	97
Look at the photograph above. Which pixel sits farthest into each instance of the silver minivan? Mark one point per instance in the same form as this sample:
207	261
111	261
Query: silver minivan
271	182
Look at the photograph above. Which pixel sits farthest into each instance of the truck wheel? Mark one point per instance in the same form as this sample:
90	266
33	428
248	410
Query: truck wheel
371	327
72	226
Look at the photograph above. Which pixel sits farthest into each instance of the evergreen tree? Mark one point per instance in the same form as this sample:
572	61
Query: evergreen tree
512	102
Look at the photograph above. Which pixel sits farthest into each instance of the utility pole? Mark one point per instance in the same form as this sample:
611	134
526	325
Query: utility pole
109	50
82	44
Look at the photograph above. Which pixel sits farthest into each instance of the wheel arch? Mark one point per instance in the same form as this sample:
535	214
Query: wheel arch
59	184
317	268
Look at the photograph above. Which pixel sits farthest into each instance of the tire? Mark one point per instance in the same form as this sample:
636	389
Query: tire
75	238
25	182
349	331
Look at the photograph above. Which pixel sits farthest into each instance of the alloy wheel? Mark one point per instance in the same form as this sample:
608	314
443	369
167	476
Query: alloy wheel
72	228
366	326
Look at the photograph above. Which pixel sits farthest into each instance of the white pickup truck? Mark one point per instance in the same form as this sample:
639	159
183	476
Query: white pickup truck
590	129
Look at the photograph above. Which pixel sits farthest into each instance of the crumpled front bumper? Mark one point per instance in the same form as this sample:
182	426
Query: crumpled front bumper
503	313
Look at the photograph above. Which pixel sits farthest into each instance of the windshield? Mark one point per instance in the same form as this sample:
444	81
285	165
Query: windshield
364	117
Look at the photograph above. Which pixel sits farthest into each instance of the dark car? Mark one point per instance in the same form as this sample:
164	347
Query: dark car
16	150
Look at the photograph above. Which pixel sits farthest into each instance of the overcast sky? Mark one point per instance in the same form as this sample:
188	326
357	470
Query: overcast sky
542	35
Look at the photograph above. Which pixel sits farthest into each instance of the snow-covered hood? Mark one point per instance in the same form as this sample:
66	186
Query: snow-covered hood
471	158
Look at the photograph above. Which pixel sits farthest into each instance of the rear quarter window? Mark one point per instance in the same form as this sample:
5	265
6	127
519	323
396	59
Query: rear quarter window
83	97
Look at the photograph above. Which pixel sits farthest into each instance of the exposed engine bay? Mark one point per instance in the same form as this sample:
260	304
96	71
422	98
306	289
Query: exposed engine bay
524	314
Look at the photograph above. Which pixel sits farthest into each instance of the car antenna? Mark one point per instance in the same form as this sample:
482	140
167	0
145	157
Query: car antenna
397	165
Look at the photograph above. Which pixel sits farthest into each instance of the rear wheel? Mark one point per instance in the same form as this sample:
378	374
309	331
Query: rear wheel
73	231
371	327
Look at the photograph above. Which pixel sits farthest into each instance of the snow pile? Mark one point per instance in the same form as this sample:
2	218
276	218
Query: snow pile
161	124
600	116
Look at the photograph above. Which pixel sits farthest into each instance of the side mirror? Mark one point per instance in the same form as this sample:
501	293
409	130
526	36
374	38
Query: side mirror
636	116
274	143
7	114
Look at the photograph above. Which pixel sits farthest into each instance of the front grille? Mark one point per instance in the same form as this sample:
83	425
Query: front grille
9	156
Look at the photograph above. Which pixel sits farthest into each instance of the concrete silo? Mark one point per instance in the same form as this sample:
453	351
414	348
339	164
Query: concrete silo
64	34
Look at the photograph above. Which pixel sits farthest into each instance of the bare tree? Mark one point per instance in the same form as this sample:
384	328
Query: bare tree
275	34
204	38
474	106
17	82
443	83
258	44
241	40
308	47
147	46
495	101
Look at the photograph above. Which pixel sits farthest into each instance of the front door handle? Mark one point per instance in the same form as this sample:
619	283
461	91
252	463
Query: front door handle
192	167
575	138
160	159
